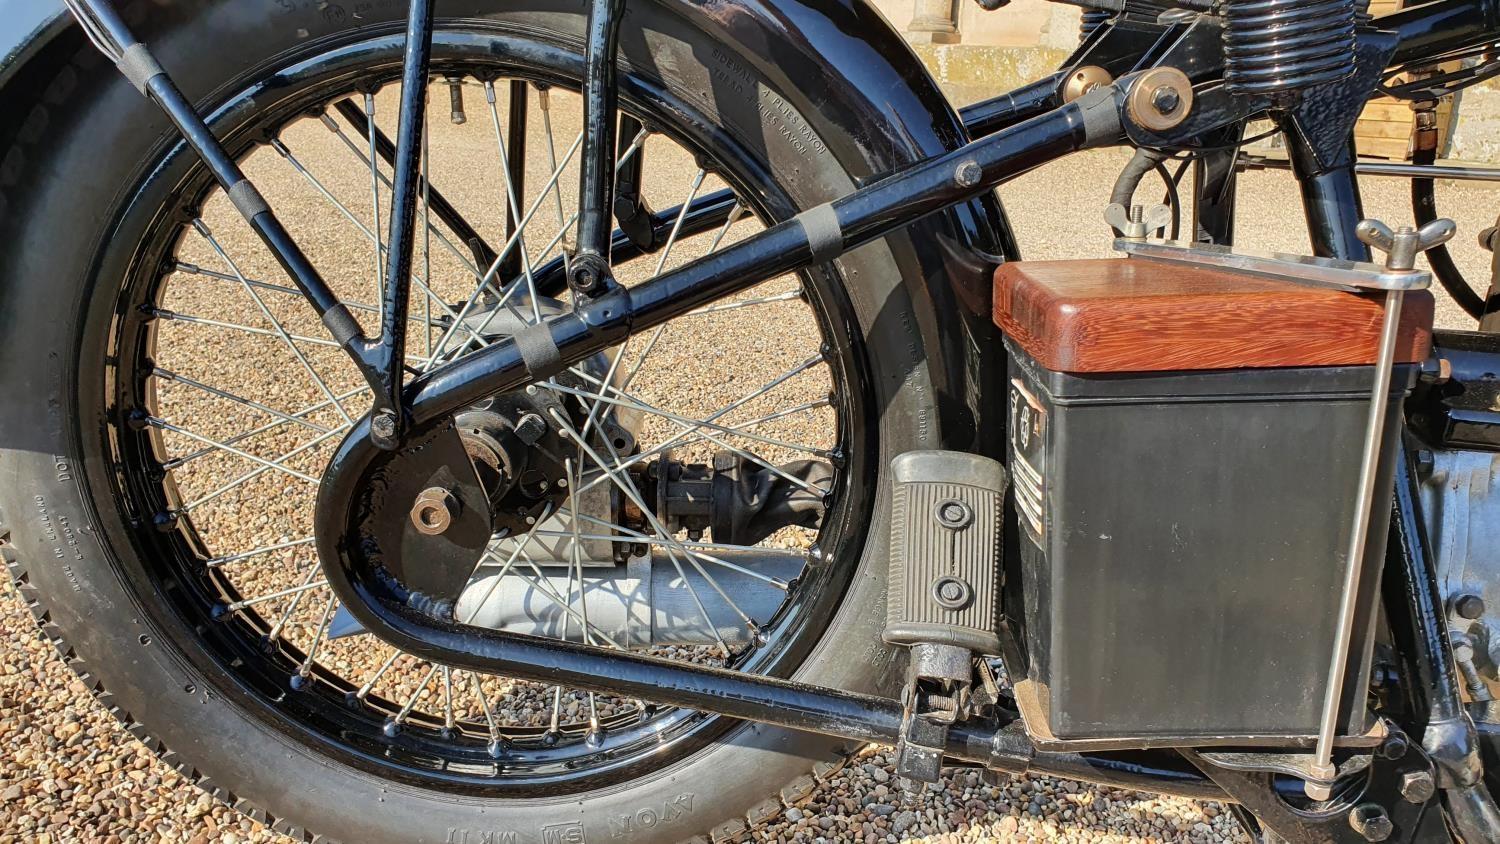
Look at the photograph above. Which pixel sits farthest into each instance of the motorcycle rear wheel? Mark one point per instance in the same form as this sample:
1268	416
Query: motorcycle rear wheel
75	528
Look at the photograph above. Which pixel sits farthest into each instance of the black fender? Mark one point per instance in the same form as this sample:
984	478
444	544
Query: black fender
843	75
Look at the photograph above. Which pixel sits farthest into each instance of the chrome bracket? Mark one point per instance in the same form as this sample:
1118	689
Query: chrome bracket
1349	276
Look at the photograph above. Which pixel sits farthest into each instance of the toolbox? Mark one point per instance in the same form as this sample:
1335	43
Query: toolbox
1184	448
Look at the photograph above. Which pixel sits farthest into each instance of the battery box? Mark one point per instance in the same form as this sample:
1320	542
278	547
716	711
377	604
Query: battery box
1184	450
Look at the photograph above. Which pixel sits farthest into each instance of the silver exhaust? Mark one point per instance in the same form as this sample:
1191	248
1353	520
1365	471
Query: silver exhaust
650	601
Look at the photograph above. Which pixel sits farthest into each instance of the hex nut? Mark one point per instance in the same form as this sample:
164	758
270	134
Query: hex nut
1371	821
1417	786
968	174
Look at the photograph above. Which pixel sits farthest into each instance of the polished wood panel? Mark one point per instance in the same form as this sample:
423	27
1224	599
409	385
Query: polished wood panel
1137	315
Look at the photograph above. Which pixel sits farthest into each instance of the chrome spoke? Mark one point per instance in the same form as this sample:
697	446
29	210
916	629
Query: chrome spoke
789	296
275	632
337	130
634	536
178	462
269	464
174	316
627	486
543	587
448	721
688	422
271	318
367	686
678	439
666	250
281	593
544	103
489	714
411	701
255	473
195	270
168	375
512	202
215	562
373	235
305	668
489	275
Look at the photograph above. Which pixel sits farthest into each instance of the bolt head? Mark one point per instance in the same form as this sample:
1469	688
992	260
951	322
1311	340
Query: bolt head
1165	99
1395	745
968	174
1469	606
383	424
1417	786
530	428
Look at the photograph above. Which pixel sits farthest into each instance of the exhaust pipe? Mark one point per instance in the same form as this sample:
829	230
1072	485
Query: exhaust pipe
651	601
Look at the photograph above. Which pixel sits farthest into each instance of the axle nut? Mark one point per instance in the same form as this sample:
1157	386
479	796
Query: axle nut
1165	99
434	510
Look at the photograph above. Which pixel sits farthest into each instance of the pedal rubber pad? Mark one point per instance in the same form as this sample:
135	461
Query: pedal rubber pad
946	525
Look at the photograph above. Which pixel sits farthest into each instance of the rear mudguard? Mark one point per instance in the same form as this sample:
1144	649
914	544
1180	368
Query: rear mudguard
844	76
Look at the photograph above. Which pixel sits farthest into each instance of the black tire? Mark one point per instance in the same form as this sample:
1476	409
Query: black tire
64	532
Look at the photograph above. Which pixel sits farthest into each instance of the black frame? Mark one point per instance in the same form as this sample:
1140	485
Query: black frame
1015	133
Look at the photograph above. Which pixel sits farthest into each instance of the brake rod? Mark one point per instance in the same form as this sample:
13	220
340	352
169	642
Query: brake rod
815	236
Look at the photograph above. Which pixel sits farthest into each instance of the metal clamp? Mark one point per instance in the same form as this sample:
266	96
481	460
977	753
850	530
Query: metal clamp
1401	248
1350	276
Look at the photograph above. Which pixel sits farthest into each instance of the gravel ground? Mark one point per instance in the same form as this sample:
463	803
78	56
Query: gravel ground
70	773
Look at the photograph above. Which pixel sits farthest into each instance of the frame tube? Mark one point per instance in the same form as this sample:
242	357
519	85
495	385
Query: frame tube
390	349
597	174
784	703
843	224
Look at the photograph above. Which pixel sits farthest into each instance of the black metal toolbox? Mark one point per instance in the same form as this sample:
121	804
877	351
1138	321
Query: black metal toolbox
1184	475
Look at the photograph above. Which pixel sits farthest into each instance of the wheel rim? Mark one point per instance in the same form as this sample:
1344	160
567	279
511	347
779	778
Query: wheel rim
299	680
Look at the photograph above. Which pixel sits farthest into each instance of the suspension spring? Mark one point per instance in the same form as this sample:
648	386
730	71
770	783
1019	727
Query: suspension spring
1277	48
1092	19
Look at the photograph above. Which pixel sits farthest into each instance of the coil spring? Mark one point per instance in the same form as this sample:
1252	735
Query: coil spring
1279	47
1092	20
